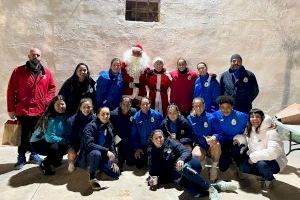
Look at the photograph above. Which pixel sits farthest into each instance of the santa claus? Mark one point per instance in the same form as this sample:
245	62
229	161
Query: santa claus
135	68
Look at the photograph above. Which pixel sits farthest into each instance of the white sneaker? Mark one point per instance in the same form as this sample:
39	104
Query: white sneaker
71	167
213	193
213	174
227	186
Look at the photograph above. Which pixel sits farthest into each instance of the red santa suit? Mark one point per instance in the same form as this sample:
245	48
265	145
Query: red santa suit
134	71
159	83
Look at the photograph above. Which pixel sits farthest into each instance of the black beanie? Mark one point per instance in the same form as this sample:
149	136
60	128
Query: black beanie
235	56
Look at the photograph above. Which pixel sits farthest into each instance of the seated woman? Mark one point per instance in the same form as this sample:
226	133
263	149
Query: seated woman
175	126
50	136
97	148
122	121
77	123
79	85
232	123
207	133
169	160
265	155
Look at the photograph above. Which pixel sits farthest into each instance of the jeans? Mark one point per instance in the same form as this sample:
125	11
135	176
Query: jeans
97	161
263	168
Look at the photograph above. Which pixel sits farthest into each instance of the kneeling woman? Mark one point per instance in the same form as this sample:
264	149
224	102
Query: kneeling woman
77	123
266	155
98	149
49	137
170	161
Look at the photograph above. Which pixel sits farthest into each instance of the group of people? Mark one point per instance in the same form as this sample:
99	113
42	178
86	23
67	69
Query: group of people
172	123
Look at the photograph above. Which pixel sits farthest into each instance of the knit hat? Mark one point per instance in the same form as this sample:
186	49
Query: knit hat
235	56
137	47
186	141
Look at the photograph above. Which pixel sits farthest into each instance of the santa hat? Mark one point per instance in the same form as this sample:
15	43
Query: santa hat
157	59
137	47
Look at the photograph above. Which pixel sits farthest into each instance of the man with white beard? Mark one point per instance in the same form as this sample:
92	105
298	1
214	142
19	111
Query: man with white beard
134	69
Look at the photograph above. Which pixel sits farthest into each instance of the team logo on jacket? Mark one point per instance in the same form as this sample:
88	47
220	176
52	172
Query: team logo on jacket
91	90
245	80
233	122
131	119
182	132
189	77
152	119
205	125
206	84
169	150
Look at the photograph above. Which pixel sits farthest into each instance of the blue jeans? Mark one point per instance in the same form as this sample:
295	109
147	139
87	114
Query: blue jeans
192	181
96	162
263	168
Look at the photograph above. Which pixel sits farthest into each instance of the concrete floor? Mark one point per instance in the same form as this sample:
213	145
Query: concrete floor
30	184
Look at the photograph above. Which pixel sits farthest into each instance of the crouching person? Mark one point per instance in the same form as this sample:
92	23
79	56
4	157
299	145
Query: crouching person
97	148
50	136
77	123
265	156
170	161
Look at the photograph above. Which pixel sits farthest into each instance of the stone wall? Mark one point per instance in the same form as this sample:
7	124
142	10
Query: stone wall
265	33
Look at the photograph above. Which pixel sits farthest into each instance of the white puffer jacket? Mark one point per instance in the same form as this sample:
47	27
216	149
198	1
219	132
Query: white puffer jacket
265	145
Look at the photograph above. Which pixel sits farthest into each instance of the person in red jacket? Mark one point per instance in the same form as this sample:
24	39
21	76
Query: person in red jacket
182	87
30	90
159	81
134	70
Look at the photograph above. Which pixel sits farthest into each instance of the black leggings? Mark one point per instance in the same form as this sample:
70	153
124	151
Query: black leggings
53	151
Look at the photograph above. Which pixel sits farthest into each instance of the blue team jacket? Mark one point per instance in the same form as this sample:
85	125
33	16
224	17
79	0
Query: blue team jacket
231	125
143	125
109	90
208	88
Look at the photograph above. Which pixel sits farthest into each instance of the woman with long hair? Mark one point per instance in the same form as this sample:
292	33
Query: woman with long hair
265	155
79	85
50	135
77	122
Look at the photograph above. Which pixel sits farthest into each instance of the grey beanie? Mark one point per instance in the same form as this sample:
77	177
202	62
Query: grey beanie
235	56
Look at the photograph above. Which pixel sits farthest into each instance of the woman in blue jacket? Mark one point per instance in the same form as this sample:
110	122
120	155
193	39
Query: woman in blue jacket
98	149
77	123
122	120
50	136
109	87
79	85
175	126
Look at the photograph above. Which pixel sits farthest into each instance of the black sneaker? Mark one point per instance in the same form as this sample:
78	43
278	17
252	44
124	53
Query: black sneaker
46	170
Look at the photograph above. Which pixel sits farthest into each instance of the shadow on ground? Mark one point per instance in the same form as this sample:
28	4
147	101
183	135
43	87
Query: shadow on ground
78	181
5	168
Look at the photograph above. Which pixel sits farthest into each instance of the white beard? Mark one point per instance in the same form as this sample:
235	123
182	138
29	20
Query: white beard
135	66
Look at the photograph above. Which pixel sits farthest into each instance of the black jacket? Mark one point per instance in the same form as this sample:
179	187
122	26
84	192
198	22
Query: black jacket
183	128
